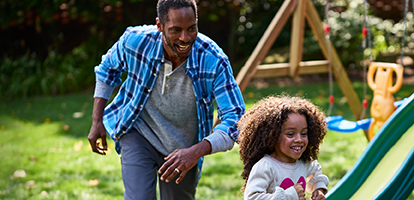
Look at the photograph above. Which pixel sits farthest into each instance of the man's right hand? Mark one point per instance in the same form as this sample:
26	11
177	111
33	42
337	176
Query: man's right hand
98	129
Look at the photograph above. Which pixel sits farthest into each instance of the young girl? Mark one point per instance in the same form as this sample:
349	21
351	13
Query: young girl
279	144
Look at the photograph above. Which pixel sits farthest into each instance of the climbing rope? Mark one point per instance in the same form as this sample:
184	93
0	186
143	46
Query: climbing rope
366	33
327	30
405	29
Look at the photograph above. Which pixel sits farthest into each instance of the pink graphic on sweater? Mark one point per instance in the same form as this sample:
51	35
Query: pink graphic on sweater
287	183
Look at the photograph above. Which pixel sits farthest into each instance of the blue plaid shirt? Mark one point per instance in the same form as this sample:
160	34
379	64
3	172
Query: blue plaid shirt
140	52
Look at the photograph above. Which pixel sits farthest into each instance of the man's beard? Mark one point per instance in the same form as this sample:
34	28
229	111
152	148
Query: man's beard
171	46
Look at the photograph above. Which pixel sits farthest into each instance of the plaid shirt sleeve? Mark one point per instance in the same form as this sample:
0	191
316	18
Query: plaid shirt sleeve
230	103
110	69
216	82
133	53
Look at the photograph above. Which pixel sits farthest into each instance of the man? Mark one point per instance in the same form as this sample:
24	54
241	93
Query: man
161	119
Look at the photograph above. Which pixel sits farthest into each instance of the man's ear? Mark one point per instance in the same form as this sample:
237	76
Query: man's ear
159	25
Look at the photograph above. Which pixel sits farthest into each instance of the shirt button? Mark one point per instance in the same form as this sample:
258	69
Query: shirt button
162	61
123	132
155	74
133	120
168	76
149	90
141	106
166	85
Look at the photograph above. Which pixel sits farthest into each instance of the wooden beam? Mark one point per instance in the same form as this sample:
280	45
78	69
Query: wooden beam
265	43
330	54
296	41
282	69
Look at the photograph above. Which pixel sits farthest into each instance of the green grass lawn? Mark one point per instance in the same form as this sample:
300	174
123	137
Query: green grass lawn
46	139
45	153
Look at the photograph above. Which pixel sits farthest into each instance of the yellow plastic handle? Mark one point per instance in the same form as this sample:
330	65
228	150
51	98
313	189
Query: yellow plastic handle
373	68
370	76
398	69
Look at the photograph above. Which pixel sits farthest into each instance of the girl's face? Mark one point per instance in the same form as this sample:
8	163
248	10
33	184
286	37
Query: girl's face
293	139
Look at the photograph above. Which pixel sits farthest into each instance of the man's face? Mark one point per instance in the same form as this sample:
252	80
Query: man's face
179	32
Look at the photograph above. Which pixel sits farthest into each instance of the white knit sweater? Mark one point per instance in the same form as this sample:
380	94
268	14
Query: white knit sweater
269	176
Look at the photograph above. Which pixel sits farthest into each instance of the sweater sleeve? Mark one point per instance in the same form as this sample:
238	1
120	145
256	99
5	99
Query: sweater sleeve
316	179
103	90
220	141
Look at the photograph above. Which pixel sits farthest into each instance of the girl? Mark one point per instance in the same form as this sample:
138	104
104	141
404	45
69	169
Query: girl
279	144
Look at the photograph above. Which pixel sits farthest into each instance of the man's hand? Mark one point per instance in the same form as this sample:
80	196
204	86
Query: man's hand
182	160
299	189
98	130
319	194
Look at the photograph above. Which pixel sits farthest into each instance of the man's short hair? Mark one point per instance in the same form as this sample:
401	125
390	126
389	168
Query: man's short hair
163	7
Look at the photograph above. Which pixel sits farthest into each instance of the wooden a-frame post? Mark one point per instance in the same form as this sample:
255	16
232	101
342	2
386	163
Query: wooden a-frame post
302	9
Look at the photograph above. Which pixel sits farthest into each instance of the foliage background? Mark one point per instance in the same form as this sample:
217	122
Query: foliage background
51	47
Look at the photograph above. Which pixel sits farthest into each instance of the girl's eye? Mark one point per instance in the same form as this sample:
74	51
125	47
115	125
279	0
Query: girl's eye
304	133
290	134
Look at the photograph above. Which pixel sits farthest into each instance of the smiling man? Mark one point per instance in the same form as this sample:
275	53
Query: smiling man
162	117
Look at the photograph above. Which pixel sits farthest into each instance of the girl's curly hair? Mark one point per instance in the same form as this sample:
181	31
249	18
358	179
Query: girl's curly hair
261	125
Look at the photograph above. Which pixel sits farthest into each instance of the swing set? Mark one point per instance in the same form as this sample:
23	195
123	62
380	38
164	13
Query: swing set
383	103
379	77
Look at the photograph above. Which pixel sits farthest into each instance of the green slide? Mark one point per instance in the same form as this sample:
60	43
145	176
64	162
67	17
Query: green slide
385	170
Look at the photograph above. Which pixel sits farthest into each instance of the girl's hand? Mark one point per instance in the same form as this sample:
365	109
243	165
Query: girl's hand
319	194
301	192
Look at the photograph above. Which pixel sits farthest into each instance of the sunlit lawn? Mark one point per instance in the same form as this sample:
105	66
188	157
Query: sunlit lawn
45	153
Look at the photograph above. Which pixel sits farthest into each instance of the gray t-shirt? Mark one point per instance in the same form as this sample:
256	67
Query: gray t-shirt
169	118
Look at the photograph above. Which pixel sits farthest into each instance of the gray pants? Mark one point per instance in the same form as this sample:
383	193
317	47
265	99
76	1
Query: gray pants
140	162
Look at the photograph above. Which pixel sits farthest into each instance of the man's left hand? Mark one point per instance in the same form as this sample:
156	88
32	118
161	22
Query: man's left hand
182	160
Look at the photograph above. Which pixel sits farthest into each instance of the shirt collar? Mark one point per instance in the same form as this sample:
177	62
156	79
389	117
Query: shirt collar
157	52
